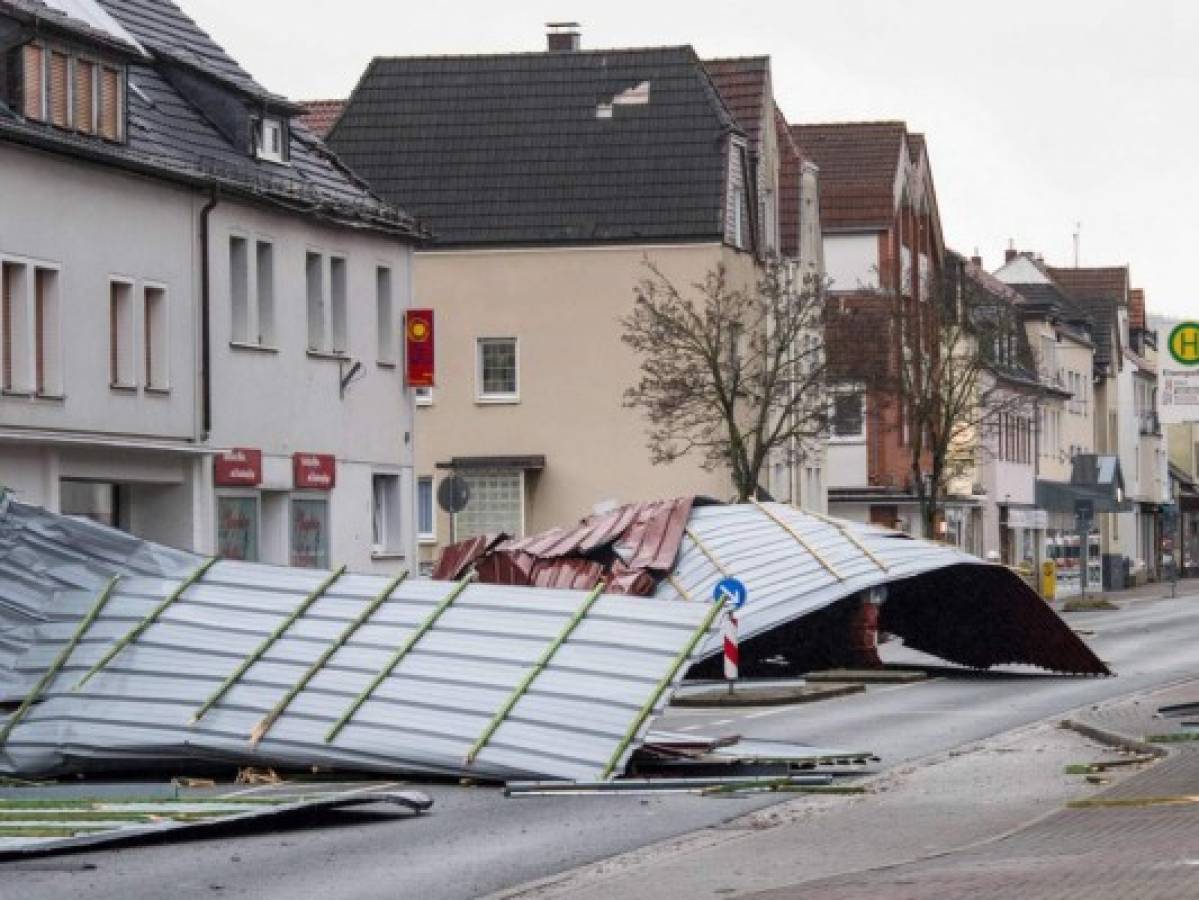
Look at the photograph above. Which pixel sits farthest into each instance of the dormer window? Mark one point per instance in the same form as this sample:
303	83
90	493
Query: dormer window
270	139
73	92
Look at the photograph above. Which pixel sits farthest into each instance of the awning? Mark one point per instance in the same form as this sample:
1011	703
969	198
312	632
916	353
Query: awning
528	463
1094	478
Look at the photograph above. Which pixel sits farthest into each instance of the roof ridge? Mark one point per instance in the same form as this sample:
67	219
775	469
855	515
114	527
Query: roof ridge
760	57
852	124
528	53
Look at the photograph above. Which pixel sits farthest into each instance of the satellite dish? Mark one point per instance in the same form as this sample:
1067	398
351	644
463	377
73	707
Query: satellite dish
453	494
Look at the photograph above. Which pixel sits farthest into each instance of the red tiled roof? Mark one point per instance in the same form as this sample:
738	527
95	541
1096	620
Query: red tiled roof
321	115
858	165
1094	283
790	161
743	86
991	284
1136	308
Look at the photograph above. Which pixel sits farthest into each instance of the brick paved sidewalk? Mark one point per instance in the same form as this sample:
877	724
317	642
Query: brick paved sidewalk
1117	852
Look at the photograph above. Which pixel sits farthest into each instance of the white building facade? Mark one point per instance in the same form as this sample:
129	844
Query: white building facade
200	338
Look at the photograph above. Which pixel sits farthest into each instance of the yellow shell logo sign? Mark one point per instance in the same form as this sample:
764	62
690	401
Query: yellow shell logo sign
1184	344
418	330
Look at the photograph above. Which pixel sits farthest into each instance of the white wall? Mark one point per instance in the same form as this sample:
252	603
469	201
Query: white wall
851	261
847	464
283	399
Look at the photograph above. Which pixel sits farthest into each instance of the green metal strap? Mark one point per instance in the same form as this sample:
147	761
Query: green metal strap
140	628
270	718
61	659
415	637
537	669
266	644
678	663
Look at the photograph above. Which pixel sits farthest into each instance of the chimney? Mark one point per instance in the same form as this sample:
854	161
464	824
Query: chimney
1010	253
562	37
977	259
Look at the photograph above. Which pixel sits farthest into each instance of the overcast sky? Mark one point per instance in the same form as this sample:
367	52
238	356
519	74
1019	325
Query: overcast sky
1038	114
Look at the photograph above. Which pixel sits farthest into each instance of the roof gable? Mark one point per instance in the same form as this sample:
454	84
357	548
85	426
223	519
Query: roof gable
517	148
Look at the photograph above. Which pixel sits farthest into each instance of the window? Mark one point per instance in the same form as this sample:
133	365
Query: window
497	373
58	93
310	533
264	281
120	334
848	420
14	320
156	339
738	218
252	296
269	139
32	75
387	524
337	304
239	289
384	318
496	504
426	526
47	352
315	273
85	96
237	522
30	330
424	396
110	105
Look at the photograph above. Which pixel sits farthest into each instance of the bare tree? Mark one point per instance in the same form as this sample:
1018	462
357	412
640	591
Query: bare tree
954	372
733	375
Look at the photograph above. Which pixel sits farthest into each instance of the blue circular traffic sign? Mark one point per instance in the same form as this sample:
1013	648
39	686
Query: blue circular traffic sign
732	592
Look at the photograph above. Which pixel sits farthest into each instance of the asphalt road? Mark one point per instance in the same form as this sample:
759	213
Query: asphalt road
475	841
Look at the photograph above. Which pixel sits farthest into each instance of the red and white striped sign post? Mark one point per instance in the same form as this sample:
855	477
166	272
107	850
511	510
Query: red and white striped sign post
732	594
732	653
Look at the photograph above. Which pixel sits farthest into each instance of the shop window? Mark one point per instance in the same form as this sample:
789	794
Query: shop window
387	522
498	378
310	533
496	504
237	523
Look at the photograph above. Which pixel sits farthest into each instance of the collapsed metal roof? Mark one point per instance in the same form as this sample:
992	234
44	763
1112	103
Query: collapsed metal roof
251	664
795	565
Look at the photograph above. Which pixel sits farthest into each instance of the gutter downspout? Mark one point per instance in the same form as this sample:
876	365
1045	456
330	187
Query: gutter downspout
205	336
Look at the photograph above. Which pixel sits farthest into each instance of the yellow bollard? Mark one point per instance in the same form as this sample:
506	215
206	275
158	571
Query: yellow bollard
1049	579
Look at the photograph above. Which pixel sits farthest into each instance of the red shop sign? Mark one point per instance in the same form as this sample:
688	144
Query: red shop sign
315	471
418	346
239	467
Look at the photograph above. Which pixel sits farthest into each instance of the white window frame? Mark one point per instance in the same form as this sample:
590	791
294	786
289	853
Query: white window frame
392	546
427	537
387	336
423	395
851	390
264	128
496	398
739	217
24	342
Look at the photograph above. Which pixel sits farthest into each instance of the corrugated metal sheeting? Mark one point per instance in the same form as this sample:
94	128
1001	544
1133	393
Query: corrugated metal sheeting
939	599
532	682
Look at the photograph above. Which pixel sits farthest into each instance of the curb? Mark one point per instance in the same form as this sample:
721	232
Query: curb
716	699
1115	739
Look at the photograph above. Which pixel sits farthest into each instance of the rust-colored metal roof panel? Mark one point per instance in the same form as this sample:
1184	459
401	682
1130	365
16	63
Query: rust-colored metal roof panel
455	561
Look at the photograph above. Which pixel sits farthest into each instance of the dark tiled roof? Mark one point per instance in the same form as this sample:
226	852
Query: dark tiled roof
744	86
858	163
1098	292
163	28
1106	283
509	149
321	115
1056	303
169	137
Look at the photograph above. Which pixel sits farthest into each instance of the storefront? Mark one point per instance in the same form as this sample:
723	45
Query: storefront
267	511
1022	536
